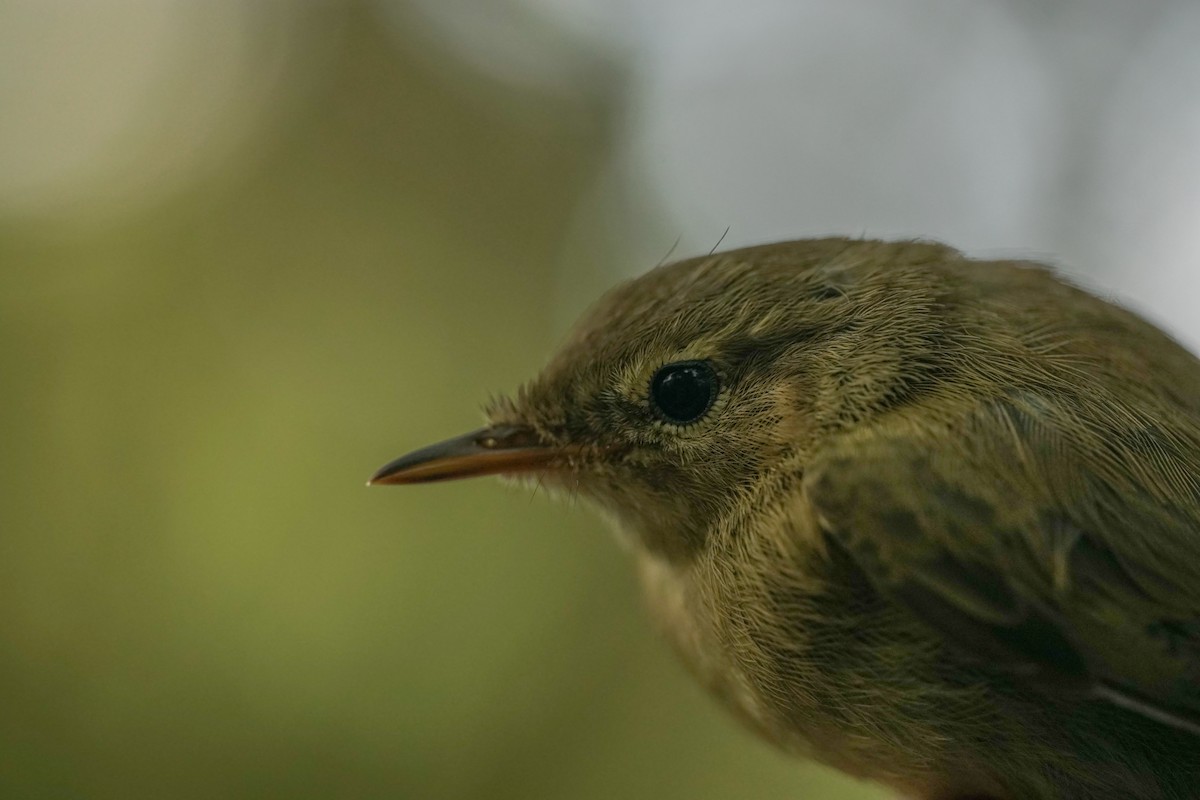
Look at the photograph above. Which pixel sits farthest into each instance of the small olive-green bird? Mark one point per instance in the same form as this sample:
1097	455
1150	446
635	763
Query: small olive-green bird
930	520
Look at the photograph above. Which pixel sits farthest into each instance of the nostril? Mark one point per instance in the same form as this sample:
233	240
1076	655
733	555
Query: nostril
508	437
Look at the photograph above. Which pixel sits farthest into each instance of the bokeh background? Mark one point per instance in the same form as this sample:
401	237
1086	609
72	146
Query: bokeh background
251	251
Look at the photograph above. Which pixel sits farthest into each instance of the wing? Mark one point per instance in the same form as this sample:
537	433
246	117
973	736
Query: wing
1064	549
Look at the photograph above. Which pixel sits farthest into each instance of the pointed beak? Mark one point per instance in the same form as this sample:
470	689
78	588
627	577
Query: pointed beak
500	449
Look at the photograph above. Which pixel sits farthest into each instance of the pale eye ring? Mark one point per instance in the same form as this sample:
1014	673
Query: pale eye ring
683	392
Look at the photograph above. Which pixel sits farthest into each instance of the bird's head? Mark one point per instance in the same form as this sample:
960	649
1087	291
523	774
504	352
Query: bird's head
683	390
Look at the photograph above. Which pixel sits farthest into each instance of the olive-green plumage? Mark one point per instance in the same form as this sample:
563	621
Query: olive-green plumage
940	526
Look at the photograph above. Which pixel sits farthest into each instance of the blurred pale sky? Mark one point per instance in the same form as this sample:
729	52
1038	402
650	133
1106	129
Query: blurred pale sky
1067	131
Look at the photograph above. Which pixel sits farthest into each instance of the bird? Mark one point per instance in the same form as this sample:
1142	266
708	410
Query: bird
930	520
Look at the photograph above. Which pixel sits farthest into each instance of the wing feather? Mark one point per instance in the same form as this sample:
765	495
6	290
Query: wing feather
1069	554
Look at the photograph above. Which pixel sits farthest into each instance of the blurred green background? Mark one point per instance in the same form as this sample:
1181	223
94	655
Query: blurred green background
251	252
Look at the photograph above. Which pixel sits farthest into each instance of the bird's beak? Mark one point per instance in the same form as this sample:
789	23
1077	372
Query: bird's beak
500	449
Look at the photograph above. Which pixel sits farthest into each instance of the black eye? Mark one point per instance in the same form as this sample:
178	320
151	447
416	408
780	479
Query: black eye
684	391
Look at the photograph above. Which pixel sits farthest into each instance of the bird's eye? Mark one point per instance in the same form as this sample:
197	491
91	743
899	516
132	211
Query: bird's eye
684	391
